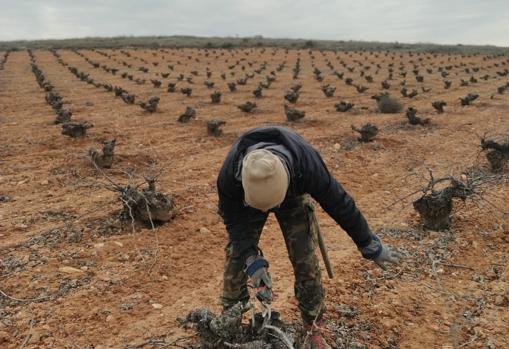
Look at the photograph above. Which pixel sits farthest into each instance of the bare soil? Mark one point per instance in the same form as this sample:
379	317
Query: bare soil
73	275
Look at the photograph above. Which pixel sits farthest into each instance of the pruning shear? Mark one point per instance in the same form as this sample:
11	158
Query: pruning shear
266	314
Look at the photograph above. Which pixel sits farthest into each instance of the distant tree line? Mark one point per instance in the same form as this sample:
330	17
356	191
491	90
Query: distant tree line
245	42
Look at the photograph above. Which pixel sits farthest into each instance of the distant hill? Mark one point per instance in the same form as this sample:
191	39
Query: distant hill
256	41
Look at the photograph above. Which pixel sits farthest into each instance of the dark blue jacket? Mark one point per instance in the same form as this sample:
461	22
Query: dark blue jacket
308	174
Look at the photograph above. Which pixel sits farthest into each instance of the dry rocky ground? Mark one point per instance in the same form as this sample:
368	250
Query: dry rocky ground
72	275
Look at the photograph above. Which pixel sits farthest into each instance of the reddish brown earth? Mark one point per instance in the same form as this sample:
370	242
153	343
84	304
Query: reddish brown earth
73	276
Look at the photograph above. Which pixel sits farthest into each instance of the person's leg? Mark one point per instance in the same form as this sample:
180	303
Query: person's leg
235	280
299	225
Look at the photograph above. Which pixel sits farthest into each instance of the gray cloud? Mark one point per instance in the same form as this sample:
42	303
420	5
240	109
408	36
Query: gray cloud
444	21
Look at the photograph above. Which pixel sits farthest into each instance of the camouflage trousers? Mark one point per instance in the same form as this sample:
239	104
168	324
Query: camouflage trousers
299	225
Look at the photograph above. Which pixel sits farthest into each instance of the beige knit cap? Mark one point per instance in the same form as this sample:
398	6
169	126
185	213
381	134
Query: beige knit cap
264	179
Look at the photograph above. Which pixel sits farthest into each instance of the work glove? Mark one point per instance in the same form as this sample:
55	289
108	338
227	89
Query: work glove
257	269
379	253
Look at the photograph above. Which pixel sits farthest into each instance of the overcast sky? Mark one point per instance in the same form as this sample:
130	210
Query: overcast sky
437	21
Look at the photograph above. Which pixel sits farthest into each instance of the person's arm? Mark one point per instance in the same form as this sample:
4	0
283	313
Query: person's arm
236	220
341	207
333	198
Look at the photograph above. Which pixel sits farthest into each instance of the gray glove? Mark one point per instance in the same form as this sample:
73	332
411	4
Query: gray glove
379	253
256	268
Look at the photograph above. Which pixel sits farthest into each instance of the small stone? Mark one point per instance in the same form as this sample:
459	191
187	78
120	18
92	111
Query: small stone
490	344
118	243
99	245
204	230
337	146
126	306
157	306
137	295
501	301
356	345
44	182
109	318
70	270
5	198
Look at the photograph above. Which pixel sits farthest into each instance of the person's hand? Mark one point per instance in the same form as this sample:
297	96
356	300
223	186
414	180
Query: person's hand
388	255
257	269
380	253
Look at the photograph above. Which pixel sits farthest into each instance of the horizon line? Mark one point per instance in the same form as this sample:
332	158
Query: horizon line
253	37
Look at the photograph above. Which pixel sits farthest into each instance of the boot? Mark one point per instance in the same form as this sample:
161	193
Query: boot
313	338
